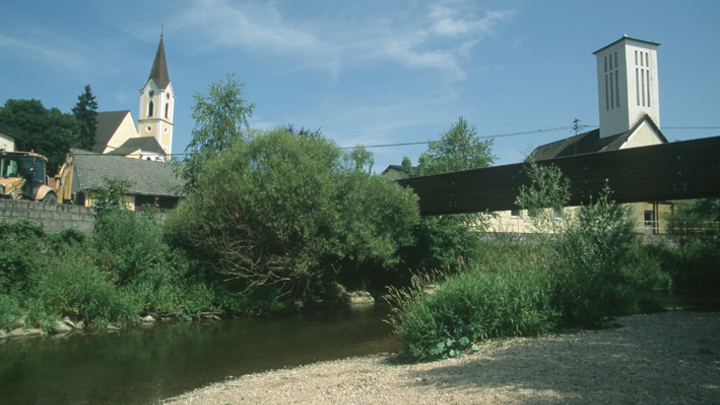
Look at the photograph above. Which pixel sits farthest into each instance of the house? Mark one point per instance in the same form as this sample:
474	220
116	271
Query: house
153	183
629	108
397	172
7	141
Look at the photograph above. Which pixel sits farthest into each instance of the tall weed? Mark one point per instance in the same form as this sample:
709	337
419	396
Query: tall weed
474	305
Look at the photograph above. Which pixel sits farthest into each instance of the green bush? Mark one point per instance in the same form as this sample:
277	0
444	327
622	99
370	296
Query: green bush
20	254
694	264
285	212
10	312
127	244
501	299
73	286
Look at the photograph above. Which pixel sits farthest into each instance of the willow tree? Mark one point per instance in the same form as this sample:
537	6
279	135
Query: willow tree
283	212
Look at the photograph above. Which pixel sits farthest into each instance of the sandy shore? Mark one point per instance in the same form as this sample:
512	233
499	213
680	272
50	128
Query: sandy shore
667	358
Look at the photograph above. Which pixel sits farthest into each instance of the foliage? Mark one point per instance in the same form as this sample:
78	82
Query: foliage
694	219
588	273
458	149
488	299
548	194
284	210
73	286
593	286
50	133
10	312
446	239
694	265
220	118
111	196
18	257
85	112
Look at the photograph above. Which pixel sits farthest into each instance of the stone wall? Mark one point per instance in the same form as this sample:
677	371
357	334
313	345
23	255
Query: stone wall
53	217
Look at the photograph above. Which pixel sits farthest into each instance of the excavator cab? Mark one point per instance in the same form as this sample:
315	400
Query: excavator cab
22	176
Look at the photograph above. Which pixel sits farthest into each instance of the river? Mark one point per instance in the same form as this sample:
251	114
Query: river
143	365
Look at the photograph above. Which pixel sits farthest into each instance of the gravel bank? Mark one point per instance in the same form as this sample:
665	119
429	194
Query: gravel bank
667	358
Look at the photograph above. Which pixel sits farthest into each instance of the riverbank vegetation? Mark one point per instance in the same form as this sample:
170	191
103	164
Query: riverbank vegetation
587	270
279	220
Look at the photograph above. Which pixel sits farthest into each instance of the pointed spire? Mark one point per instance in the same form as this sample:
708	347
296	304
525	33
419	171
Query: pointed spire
159	71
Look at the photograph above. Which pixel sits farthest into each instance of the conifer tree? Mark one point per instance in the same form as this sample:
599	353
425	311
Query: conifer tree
86	113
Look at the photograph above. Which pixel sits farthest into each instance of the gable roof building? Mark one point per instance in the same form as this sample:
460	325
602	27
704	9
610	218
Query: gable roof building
152	182
628	103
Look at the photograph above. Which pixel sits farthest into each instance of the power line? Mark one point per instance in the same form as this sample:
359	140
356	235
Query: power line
479	137
575	126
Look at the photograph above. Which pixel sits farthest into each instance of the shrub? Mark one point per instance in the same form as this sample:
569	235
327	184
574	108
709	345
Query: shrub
10	312
73	286
20	254
502	299
128	244
285	211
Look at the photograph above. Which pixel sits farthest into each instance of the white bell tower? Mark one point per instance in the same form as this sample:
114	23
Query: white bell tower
157	102
627	84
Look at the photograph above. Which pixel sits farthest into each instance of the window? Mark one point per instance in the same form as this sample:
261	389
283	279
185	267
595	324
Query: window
150	108
557	213
642	85
617	89
607	100
516	213
637	85
167	108
648	87
612	96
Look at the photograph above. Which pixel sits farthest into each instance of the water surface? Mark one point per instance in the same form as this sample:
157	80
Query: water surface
145	365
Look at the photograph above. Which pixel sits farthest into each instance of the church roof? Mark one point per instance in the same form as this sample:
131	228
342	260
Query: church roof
107	124
159	71
145	143
150	178
590	142
655	44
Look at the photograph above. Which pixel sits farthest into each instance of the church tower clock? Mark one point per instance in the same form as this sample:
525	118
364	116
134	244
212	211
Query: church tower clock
157	103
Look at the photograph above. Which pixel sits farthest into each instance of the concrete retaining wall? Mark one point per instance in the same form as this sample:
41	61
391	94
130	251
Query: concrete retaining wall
53	217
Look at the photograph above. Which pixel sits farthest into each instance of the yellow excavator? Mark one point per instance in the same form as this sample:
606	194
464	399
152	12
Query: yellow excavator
23	177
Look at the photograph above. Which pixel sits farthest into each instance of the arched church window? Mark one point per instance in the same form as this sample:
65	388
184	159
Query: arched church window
167	108
150	109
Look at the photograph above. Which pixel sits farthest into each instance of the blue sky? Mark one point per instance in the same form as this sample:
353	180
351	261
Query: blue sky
368	72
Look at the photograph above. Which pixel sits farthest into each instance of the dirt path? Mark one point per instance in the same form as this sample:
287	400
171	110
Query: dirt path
671	358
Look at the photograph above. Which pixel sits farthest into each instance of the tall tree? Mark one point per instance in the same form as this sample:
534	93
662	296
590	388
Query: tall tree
86	113
445	240
220	117
458	149
50	133
282	214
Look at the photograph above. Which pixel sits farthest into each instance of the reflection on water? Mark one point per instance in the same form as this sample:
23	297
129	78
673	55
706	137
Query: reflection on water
144	365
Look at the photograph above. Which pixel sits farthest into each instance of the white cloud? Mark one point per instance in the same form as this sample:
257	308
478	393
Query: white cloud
434	36
45	53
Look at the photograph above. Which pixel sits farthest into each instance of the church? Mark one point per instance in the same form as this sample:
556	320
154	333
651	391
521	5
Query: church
116	132
629	109
136	154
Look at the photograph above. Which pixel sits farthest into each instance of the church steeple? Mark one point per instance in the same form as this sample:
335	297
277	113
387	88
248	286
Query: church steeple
159	71
157	102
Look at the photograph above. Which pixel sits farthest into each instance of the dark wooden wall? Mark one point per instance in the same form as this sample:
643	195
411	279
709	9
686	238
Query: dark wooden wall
673	171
